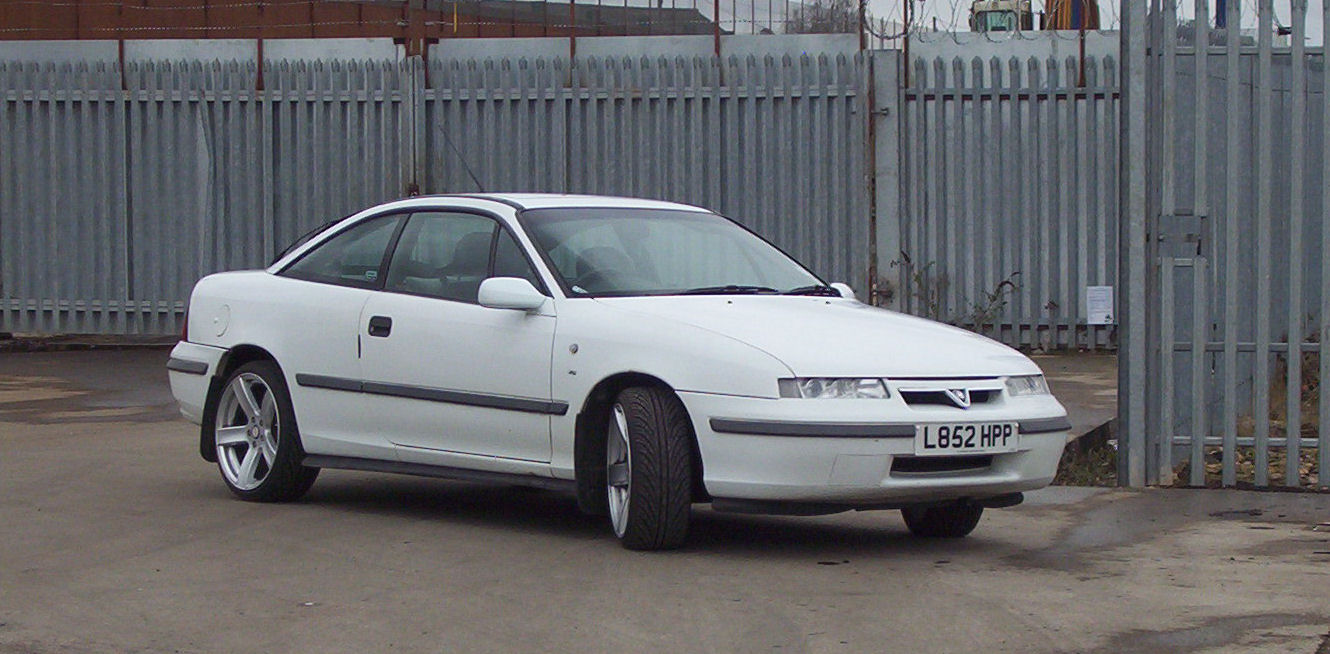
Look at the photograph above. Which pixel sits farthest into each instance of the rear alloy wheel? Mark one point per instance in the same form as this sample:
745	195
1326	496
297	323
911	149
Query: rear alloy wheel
950	521
258	446
648	469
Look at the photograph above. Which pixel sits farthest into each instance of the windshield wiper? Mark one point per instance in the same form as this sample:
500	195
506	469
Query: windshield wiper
815	289
729	289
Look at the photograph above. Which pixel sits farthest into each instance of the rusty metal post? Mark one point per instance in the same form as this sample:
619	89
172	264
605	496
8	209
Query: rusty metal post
715	19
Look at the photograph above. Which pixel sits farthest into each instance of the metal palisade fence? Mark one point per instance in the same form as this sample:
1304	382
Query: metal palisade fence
991	179
1229	342
118	191
992	192
1009	196
776	143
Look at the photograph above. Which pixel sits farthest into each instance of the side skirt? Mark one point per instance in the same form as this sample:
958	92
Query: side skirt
440	472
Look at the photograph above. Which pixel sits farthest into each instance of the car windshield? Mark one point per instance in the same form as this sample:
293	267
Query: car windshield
627	252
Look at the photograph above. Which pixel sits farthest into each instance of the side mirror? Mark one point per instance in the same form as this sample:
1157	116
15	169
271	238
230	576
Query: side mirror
510	293
844	289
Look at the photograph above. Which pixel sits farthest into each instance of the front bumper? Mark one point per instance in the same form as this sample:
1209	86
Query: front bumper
861	452
191	369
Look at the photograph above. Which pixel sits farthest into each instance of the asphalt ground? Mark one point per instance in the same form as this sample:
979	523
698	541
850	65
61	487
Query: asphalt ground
116	537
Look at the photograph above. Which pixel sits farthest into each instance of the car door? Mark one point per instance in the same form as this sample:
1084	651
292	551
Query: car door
315	308
444	374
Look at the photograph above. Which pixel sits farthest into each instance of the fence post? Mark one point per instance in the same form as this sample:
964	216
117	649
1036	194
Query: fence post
7	196
267	107
413	126
1323	331
1131	250
885	131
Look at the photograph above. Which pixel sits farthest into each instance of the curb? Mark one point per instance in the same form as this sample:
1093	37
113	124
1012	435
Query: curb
81	342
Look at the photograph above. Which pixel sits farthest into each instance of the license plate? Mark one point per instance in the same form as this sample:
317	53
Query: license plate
966	438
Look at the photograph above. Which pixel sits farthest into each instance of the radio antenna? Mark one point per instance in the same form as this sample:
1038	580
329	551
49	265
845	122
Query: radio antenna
461	158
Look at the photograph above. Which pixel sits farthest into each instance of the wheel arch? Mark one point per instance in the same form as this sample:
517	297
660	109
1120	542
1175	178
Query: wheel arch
589	440
231	360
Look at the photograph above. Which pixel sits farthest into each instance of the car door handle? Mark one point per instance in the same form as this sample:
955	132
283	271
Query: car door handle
380	326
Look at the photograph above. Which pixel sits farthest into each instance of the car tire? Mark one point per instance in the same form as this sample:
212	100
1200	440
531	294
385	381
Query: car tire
256	438
951	521
649	469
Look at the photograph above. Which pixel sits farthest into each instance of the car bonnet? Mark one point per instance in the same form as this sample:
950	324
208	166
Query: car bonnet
819	336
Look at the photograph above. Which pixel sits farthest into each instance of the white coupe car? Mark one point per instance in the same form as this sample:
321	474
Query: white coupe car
643	355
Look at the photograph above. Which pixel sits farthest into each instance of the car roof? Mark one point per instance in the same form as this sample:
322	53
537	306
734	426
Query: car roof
556	200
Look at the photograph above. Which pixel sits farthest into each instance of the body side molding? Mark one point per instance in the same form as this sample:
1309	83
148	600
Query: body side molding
504	402
1044	425
818	429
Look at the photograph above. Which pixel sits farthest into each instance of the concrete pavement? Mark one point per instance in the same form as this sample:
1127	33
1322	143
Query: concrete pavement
1086	384
117	537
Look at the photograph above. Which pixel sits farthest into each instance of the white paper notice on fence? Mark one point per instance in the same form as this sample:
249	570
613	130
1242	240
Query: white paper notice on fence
1099	305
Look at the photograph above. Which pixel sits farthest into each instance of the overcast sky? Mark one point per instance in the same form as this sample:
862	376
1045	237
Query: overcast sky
952	15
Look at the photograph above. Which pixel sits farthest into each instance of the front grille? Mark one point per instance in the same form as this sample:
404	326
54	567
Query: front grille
940	398
923	464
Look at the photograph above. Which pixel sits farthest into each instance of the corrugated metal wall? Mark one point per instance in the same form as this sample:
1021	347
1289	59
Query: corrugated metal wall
1009	172
118	193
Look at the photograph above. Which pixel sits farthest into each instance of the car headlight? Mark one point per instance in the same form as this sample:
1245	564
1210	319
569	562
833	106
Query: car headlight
833	388
1027	385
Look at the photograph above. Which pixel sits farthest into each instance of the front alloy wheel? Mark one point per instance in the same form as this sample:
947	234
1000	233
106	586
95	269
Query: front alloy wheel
649	468
618	469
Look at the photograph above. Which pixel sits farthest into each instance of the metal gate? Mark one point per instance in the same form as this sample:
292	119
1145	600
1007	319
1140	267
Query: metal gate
1225	192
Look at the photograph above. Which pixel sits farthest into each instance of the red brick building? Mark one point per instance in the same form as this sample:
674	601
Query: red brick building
412	22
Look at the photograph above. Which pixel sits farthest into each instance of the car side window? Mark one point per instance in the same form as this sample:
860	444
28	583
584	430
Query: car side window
442	255
510	262
351	258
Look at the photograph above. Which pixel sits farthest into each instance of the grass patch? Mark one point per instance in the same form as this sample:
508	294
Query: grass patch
1091	460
